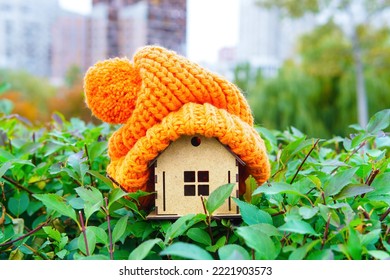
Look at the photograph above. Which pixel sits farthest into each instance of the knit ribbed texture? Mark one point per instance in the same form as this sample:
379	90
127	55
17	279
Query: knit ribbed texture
160	97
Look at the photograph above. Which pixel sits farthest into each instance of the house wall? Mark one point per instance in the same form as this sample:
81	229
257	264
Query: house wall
174	195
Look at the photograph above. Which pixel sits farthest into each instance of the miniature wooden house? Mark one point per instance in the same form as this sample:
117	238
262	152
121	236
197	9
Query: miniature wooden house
191	167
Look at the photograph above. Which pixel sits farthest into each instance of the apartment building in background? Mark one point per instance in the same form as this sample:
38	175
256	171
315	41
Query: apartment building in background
120	27
25	35
69	44
116	28
39	37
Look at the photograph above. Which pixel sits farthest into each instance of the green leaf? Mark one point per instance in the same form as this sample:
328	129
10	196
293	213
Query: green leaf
220	242
336	183
119	229
379	255
9	164
136	195
115	195
218	197
186	251
91	240
61	254
295	147
325	254
308	212
101	235
140	228
143	249
18	225
93	199
251	214
280	188
181	225
96	149
233	252
379	121
268	229
301	252
77	162
63	242
199	235
102	178
52	147
353	245
4	168
92	258
52	233
16	255
76	203
381	185
258	241
371	237
90	194
18	203
325	212
57	203
353	190
298	226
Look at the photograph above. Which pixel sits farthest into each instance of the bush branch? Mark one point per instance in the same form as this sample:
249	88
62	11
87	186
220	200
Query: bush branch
350	155
89	165
384	215
372	176
111	246
304	160
208	220
16	184
84	233
364	212
5	244
326	232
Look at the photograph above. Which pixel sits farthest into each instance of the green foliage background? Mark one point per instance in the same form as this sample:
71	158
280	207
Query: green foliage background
315	92
327	199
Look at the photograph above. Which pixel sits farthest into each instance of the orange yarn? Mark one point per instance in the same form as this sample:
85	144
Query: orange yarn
158	98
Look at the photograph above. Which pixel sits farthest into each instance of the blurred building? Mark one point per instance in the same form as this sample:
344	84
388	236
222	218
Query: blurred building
266	38
226	62
39	37
119	27
25	34
69	44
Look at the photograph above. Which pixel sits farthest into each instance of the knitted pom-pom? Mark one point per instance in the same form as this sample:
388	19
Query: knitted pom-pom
111	88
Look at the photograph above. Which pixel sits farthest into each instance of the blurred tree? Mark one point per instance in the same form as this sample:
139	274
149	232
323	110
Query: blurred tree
245	77
36	99
73	76
70	100
28	93
316	94
352	15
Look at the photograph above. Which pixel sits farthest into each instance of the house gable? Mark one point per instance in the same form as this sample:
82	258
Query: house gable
191	167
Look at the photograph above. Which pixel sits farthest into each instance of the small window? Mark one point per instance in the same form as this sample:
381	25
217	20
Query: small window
189	190
189	176
203	176
203	190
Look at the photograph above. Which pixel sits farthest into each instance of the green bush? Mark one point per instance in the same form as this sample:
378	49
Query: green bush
326	199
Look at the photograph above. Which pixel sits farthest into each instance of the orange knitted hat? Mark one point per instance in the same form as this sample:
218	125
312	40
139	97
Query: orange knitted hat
159	97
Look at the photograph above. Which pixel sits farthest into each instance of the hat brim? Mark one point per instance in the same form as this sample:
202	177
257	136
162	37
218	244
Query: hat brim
132	170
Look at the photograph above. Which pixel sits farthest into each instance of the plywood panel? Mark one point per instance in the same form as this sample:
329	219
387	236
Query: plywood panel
186	155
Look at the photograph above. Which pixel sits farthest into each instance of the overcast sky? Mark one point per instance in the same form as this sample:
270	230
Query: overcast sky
211	25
